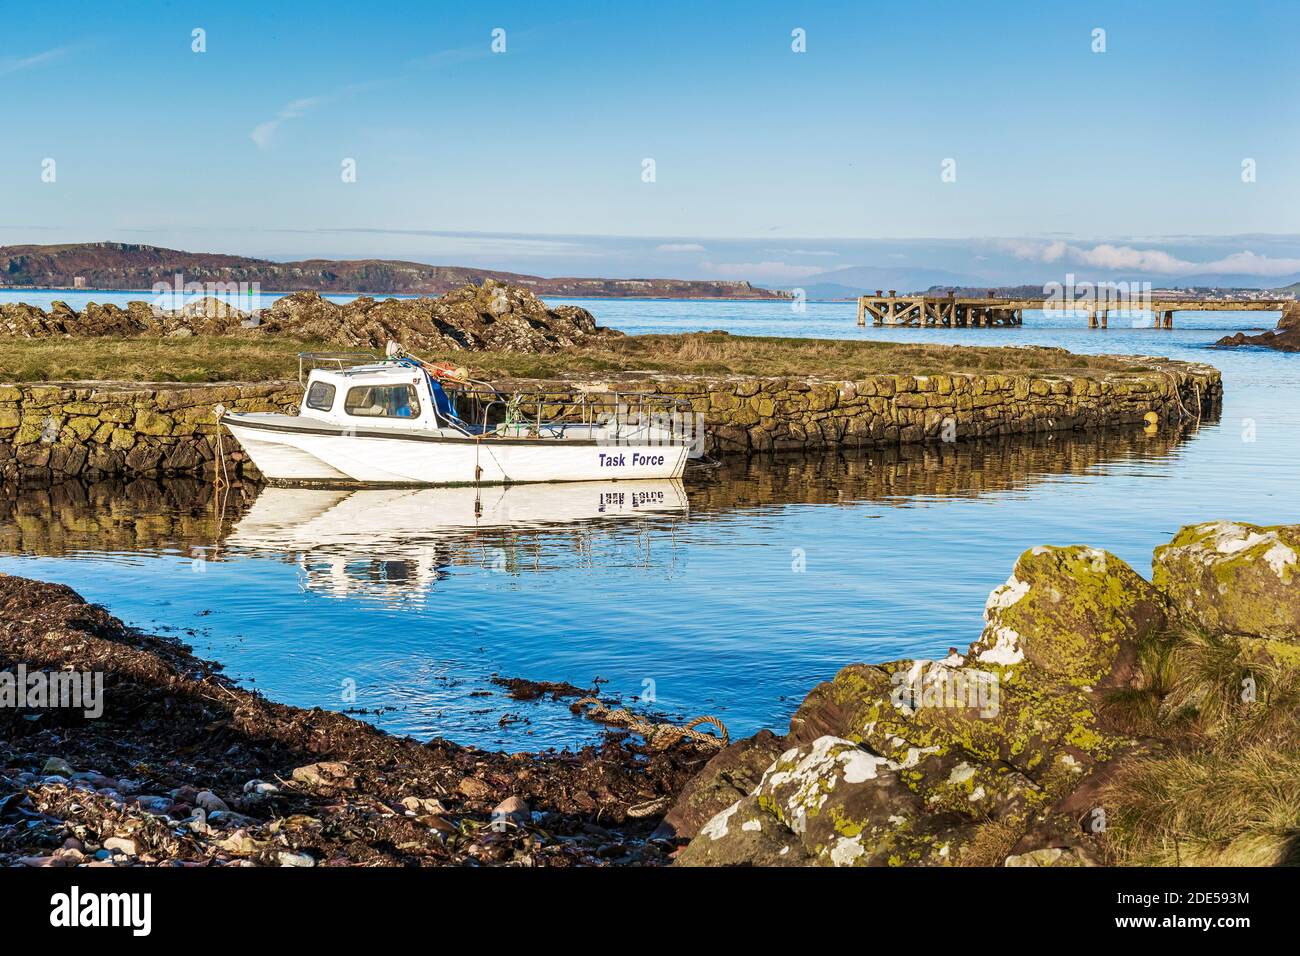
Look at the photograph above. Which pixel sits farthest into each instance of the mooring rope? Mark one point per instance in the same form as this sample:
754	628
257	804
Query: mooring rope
1178	398
660	736
650	808
221	478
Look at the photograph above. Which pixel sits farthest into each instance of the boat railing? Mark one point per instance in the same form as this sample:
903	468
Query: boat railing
621	417
308	361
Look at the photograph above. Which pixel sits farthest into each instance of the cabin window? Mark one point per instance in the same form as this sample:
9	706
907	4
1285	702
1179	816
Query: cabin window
320	396
383	401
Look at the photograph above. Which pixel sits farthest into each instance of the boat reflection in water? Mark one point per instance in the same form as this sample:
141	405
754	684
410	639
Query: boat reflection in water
396	544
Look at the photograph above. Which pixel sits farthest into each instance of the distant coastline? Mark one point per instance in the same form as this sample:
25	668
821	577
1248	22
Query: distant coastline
415	295
126	267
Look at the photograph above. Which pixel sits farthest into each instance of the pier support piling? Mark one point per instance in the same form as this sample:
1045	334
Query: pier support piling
951	312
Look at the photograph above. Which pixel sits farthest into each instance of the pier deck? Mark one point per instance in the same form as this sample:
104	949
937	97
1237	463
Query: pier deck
952	312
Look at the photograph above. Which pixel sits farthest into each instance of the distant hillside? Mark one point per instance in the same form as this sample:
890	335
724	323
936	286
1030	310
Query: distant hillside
117	265
851	282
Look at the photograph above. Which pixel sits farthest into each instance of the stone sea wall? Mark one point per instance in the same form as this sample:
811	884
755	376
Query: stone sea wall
750	414
105	429
94	430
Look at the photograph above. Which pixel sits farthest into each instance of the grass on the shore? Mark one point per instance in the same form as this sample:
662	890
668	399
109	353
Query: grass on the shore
1223	786
267	358
152	360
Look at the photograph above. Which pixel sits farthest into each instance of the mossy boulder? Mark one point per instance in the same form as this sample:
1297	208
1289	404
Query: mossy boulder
827	803
732	774
1074	613
1050	856
743	834
1011	727
1031	748
1234	578
952	761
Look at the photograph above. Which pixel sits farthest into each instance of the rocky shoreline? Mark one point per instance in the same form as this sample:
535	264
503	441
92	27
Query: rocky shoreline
1285	338
1100	718
490	317
185	768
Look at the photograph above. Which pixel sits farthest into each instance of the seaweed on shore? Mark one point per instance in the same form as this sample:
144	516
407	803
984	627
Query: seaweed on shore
186	768
521	688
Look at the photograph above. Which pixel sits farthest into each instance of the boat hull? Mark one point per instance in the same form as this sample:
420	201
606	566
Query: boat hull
295	455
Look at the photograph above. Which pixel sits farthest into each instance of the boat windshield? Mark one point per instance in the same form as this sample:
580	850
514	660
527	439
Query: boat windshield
382	401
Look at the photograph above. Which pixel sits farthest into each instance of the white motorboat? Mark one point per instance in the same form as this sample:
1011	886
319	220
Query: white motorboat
403	421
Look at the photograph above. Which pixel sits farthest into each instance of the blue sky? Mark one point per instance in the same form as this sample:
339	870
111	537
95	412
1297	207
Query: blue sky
769	164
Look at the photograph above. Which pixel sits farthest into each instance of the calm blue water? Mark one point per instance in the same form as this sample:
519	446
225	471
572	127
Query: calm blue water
702	601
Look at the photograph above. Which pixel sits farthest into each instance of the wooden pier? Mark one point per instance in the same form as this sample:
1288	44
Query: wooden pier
951	312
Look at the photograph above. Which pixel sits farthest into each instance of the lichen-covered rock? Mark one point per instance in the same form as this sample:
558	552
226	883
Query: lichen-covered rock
1021	751
1050	856
1234	578
743	834
730	775
1075	613
828	803
969	738
958	760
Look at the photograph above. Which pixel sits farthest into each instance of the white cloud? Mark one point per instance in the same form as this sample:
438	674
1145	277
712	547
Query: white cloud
17	63
263	132
680	247
1250	263
1033	251
764	271
1107	256
1155	261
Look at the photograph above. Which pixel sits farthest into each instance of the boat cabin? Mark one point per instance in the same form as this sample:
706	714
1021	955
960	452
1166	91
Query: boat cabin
380	396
